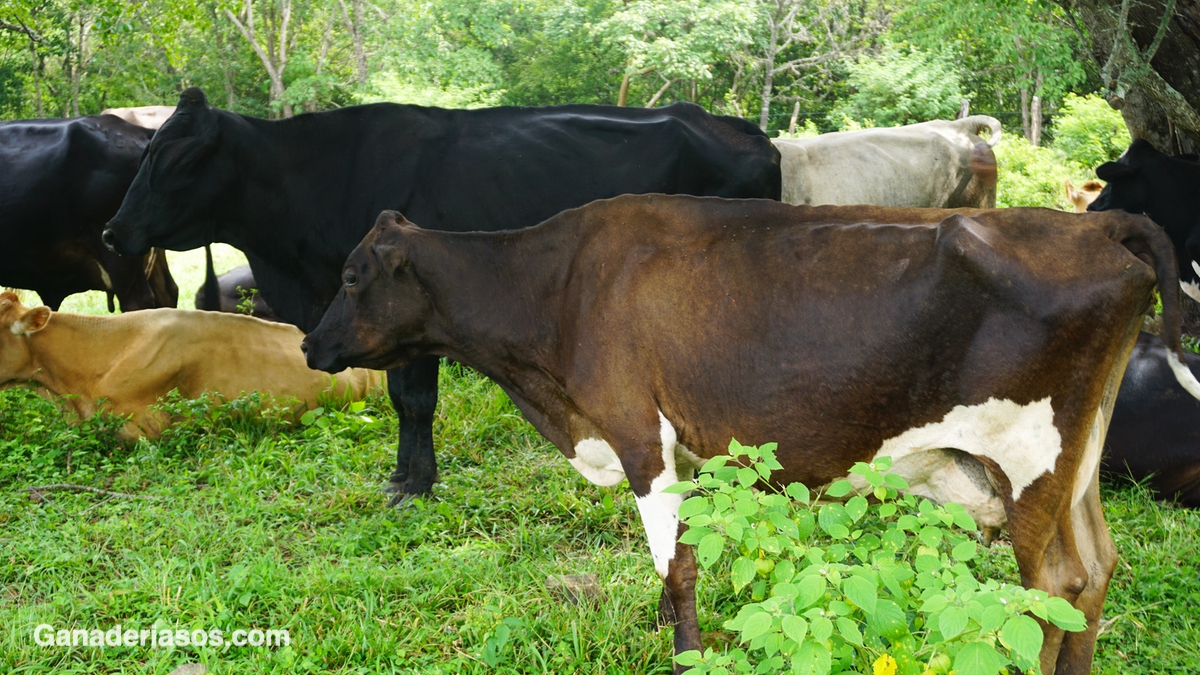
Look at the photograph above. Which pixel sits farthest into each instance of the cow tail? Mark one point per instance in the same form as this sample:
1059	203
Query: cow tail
977	123
212	292
1150	243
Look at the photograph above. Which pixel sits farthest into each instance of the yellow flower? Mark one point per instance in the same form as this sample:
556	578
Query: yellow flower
884	665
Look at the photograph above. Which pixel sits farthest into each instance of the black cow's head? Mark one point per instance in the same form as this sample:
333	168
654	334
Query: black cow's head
180	185
381	315
1126	189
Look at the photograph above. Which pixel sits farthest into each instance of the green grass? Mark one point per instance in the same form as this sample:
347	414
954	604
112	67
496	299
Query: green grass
255	522
187	268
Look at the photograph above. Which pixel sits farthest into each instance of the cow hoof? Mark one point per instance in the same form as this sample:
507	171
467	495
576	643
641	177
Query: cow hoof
405	492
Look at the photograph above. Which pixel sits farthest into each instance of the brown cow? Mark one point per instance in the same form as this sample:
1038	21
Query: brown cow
132	360
639	334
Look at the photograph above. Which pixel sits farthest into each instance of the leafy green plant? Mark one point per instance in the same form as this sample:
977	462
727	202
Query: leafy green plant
1089	132
899	86
332	421
1031	175
246	300
826	594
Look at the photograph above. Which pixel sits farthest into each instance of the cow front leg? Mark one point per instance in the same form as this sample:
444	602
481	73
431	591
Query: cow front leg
649	474
413	390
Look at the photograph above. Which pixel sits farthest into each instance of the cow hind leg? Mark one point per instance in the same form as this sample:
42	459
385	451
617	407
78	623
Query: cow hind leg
413	390
1098	555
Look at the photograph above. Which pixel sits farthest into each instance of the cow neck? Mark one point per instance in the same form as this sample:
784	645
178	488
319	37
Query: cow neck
497	300
73	352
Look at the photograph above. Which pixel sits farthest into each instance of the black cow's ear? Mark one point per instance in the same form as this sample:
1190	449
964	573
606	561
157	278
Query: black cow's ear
1110	171
193	96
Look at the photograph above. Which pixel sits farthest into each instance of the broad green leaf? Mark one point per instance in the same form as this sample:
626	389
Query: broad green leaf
992	618
811	589
952	621
896	481
820	629
798	492
856	506
693	506
849	630
861	592
1062	614
747	476
795	628
688	658
964	551
694	535
756	624
680	487
745	507
882	463
811	659
743	572
1024	636
888	620
977	658
839	488
714	463
710	549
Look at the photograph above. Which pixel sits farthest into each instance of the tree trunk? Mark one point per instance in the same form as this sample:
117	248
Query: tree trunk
37	78
792	122
964	110
354	24
1035	126
1025	113
623	94
1174	77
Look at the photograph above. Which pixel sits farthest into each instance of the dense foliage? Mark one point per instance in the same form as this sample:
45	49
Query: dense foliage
759	59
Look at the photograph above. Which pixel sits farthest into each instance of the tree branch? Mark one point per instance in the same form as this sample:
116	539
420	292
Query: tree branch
20	27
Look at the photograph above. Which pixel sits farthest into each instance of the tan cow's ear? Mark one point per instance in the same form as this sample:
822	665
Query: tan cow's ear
31	321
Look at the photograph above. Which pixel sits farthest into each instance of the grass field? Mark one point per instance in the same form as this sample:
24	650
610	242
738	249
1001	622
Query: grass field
245	521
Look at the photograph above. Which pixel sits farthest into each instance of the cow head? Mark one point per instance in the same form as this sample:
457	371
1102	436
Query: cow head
1126	189
381	315
17	323
173	199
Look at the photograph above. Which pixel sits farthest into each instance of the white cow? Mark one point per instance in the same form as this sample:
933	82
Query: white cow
940	164
149	116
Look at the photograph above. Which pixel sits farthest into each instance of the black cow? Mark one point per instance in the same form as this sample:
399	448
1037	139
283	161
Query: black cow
1155	428
60	182
297	195
979	349
236	293
1144	180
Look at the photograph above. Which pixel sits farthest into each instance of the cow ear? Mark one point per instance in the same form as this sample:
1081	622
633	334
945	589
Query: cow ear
1110	171
31	321
392	258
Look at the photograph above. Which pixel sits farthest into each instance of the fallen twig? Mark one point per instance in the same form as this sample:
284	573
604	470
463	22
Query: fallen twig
39	489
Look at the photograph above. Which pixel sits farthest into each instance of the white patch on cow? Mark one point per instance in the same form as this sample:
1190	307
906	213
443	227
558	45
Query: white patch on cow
595	460
104	277
1183	374
17	328
660	511
1021	439
1191	289
1091	458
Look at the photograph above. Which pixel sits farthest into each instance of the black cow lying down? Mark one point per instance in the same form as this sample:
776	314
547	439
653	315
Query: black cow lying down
235	292
842	333
60	182
298	195
1155	429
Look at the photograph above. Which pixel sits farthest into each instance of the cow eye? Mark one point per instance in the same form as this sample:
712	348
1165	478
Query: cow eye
349	278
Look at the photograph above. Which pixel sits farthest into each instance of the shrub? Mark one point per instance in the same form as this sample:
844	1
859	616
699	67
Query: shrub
825	594
1029	175
1089	132
899	86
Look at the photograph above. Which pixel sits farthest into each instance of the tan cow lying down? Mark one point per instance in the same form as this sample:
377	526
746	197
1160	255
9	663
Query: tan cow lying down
148	116
939	164
133	359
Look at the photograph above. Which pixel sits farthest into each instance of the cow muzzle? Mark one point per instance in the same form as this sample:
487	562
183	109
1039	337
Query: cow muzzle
109	238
